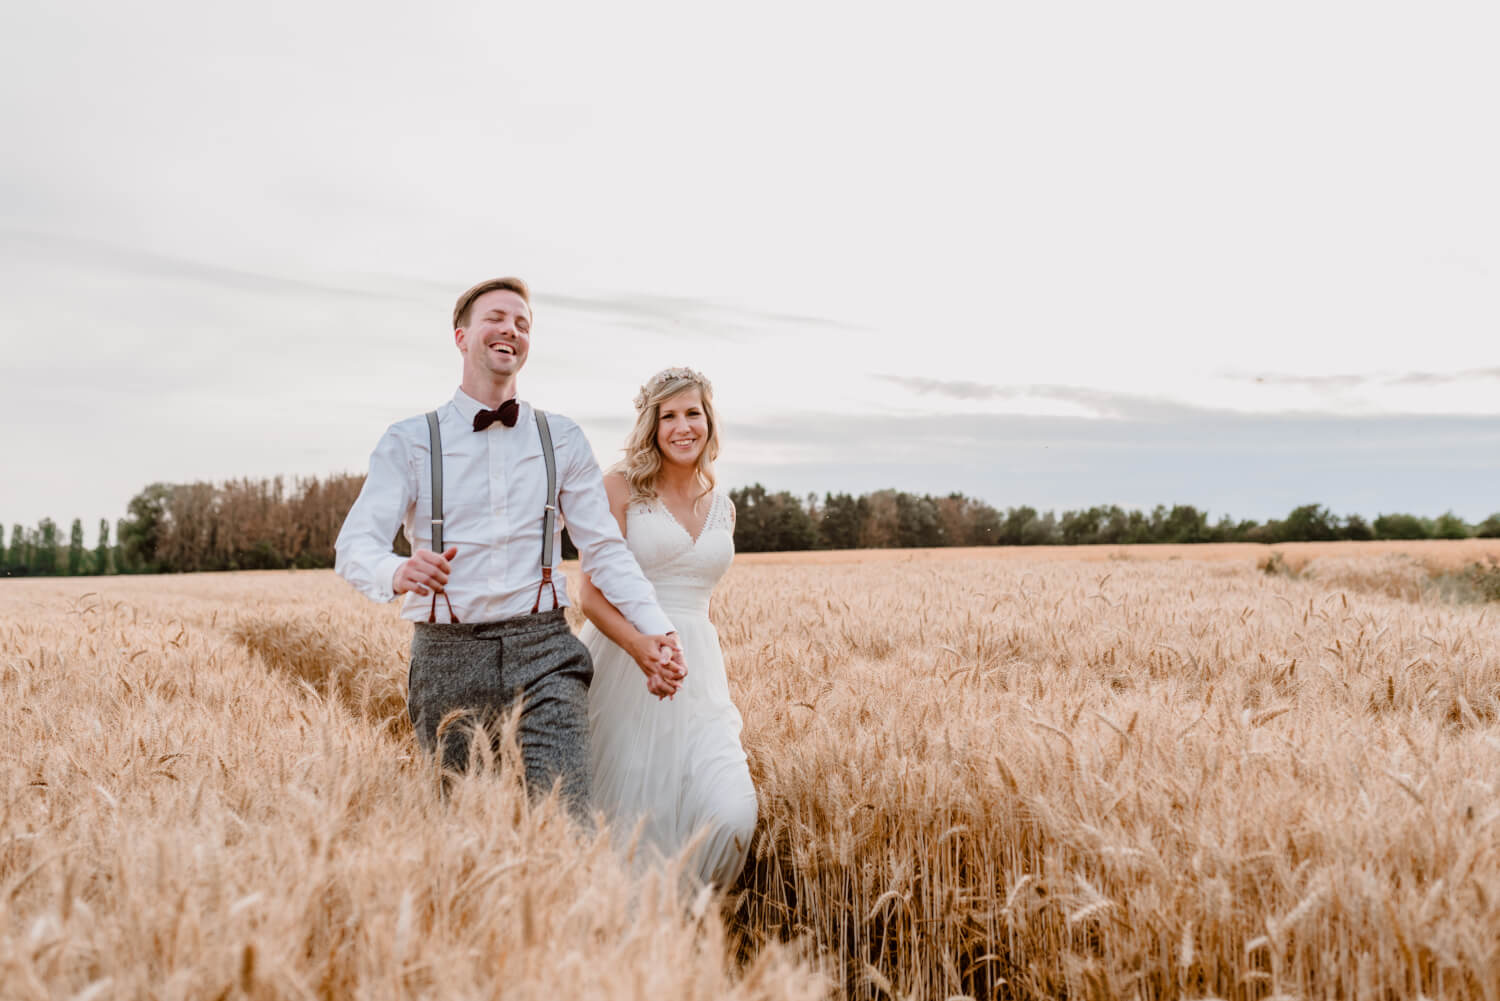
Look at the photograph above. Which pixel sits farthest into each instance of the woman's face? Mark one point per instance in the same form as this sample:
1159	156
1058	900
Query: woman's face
682	427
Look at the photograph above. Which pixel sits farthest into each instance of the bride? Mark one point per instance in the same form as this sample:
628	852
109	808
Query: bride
667	754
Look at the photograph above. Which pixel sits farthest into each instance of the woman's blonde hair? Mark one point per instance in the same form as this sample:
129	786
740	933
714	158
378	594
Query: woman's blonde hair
642	462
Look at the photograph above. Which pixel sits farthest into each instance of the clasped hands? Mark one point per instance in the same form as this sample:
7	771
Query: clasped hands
658	656
660	659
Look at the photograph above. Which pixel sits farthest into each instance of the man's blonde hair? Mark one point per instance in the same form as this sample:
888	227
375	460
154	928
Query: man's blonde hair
465	304
642	462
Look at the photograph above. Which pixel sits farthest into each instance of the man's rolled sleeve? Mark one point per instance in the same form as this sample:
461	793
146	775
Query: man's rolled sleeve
362	554
601	548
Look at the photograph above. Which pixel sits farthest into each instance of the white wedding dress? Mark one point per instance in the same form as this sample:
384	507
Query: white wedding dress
675	766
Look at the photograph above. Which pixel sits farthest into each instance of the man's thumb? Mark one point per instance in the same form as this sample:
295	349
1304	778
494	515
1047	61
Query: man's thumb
450	552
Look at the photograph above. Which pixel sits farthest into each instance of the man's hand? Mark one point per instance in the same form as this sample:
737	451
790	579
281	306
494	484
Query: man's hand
425	572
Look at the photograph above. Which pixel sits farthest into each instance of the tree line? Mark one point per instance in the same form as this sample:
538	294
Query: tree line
185	527
269	525
895	519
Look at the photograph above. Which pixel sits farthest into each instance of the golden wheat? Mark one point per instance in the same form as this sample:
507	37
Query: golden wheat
187	819
1023	776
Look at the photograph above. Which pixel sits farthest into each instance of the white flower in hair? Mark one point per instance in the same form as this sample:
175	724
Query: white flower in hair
666	375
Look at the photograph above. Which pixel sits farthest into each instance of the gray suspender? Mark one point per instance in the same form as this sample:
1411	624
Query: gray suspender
435	441
435	444
549	514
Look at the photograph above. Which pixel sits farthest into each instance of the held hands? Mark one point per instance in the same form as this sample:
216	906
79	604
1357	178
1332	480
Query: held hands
660	660
659	657
425	570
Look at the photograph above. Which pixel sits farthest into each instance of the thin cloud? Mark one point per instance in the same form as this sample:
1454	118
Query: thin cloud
659	314
1441	378
1104	403
698	316
1353	380
84	253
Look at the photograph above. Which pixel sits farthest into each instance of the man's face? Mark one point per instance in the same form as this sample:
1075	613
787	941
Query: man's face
498	337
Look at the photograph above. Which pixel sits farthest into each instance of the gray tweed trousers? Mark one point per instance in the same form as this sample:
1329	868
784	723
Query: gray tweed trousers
479	671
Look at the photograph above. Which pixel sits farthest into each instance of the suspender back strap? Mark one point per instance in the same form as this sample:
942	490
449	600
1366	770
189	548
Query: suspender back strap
435	443
549	514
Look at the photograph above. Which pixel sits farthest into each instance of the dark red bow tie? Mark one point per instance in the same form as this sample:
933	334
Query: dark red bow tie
506	413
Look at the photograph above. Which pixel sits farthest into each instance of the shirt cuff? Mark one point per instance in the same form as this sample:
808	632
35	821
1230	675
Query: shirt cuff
654	622
385	573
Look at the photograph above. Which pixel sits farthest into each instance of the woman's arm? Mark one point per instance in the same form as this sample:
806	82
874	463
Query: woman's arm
663	676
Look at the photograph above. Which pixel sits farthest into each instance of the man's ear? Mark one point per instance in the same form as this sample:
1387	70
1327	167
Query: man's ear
458	337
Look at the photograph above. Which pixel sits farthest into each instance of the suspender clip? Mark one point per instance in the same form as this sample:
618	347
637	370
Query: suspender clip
546	583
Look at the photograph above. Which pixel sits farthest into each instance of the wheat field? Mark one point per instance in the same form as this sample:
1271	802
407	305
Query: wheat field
983	773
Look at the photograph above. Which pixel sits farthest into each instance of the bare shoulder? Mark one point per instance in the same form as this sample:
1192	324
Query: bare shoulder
618	492
616	488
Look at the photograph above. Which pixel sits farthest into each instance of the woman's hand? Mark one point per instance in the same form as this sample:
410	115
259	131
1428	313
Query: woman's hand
660	660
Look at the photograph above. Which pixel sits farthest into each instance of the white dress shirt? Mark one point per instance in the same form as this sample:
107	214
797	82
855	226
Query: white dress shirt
494	496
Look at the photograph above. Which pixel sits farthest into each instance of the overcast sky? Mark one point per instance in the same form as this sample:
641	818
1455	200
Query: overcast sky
1239	256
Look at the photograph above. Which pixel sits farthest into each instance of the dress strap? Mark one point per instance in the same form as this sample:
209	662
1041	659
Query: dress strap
718	512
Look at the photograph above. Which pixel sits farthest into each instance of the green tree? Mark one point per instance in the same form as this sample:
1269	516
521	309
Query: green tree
1489	528
144	530
839	526
1081	528
985	525
1399	526
790	527
121	558
1114	525
1309	523
771	523
101	551
917	524
1013	528
1450	526
1356	529
19	560
77	555
1184	523
1223	530
44	555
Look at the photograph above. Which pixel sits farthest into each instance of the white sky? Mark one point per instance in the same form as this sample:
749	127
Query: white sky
1054	254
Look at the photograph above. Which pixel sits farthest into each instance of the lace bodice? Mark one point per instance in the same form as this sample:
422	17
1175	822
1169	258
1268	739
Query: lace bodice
683	570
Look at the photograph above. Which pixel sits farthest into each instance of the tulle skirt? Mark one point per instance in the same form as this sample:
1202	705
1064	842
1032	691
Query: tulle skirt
674	770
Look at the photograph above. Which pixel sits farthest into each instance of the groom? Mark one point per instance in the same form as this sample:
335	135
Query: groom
499	634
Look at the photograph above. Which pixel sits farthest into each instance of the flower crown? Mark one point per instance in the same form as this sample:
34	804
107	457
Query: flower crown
666	375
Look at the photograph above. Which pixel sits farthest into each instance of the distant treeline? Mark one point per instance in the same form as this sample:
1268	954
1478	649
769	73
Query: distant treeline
264	525
185	527
894	519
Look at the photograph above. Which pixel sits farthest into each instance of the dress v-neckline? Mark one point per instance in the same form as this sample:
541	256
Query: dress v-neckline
703	528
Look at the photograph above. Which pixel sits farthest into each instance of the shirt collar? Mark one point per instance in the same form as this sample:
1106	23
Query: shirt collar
467	406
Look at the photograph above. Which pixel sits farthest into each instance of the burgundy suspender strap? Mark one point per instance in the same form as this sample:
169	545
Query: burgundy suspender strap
435	444
549	514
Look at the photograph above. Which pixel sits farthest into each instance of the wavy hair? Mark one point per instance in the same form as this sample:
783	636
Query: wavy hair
642	462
